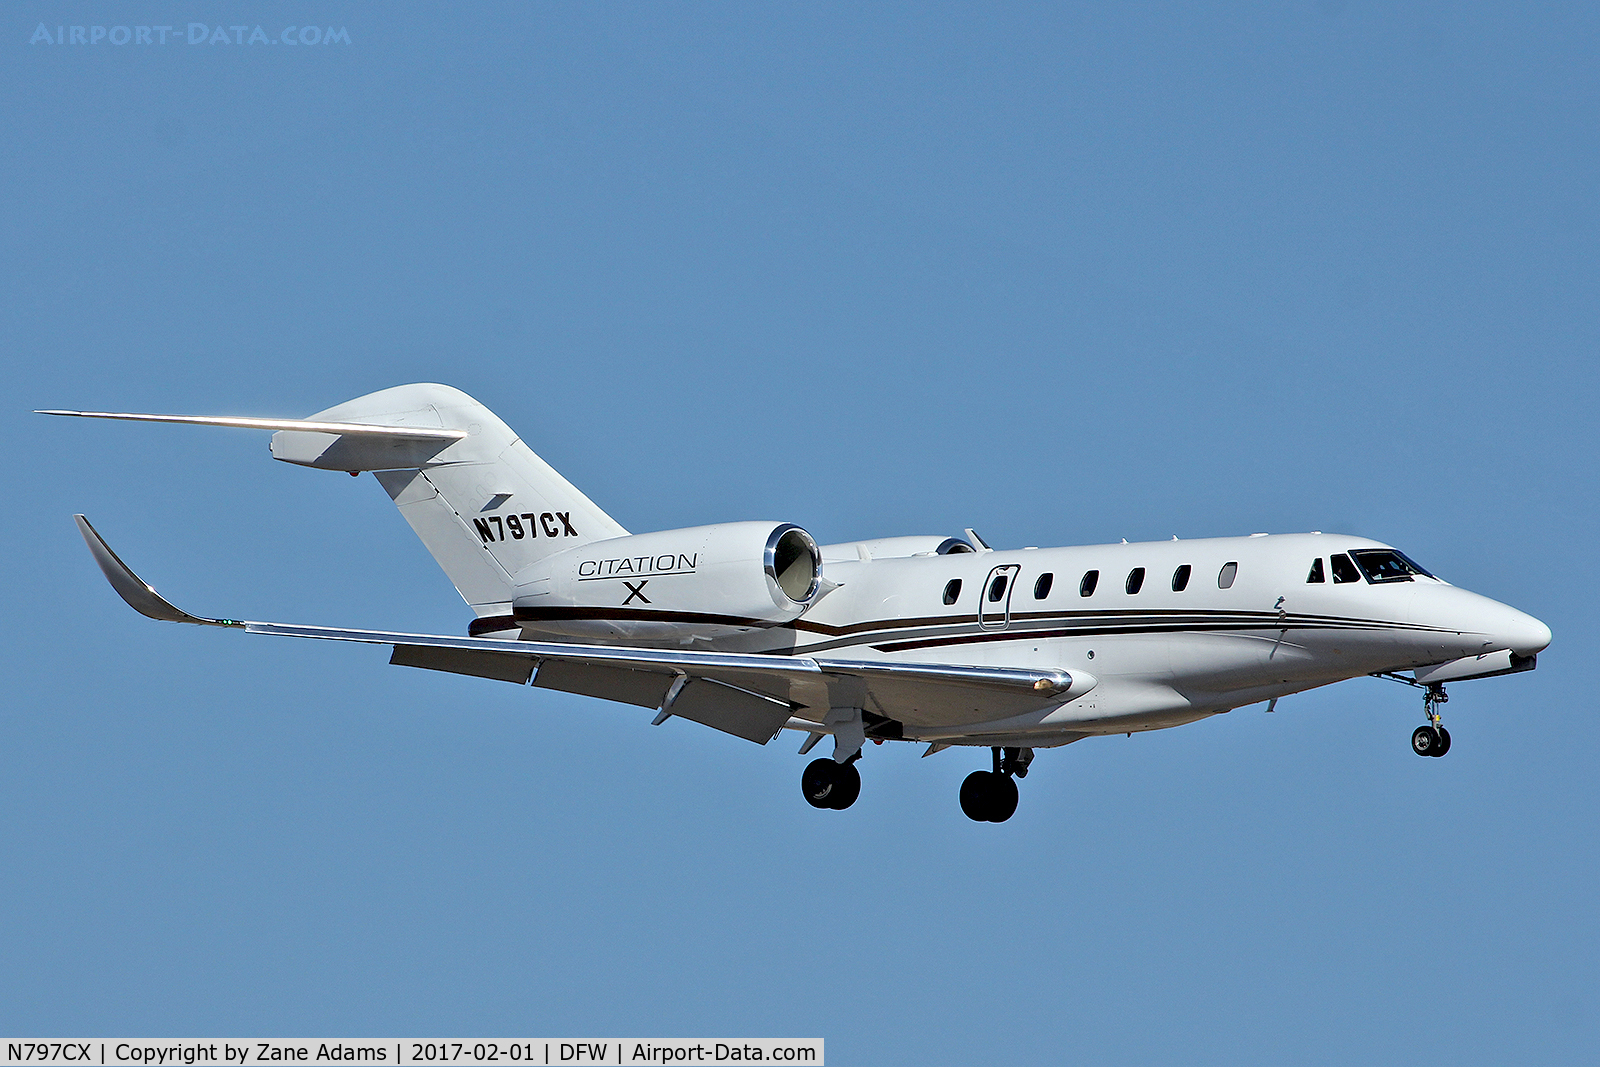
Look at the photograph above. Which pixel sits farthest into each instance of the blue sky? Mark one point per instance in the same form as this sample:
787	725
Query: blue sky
1061	273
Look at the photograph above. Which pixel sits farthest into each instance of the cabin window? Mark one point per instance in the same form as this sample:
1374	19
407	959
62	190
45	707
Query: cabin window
1090	580
1343	569
1226	575
1386	565
1041	588
1315	577
952	591
1135	580
1180	578
997	588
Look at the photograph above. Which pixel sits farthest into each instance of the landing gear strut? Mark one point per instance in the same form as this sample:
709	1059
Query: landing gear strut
1432	739
991	796
827	784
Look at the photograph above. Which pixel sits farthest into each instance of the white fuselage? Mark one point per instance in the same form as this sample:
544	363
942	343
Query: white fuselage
1161	657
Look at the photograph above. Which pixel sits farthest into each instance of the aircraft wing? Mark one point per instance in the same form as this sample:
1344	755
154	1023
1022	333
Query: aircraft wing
749	696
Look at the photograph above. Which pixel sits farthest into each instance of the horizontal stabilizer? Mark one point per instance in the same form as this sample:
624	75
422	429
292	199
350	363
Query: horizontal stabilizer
408	433
463	479
331	445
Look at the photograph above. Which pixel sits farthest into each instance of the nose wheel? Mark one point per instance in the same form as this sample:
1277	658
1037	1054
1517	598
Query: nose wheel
991	796
1432	739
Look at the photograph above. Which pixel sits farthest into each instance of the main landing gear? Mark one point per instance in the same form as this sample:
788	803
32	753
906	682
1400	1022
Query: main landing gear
1432	739
991	796
827	784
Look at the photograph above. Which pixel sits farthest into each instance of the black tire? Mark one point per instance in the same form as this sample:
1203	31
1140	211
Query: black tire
818	781
1002	798
975	795
1444	743
1425	741
846	786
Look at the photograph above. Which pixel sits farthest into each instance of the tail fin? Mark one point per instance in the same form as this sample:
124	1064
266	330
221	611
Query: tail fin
484	504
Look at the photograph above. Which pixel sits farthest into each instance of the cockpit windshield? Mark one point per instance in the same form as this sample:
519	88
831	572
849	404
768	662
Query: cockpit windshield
1386	565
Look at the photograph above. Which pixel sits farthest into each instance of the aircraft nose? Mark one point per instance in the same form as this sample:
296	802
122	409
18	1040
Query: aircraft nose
1523	634
1470	624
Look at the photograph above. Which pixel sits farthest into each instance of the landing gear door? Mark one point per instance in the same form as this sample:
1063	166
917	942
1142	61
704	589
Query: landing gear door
994	599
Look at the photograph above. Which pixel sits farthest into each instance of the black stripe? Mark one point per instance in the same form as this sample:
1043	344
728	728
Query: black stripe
1089	624
895	634
1085	631
638	615
1267	618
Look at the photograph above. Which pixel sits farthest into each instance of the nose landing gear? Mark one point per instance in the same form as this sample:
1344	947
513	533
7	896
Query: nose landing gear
991	796
1432	739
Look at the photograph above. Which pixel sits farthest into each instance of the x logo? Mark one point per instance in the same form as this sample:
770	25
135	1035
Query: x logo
636	591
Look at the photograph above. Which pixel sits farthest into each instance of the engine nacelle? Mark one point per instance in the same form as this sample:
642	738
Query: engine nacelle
704	580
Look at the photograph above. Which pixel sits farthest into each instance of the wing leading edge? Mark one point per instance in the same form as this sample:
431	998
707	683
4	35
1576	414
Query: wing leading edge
749	696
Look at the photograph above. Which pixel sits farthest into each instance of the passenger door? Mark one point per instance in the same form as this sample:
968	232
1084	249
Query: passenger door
994	599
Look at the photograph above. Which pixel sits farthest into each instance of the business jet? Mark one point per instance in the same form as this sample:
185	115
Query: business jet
752	628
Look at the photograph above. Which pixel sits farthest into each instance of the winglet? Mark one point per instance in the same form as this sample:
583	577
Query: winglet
130	587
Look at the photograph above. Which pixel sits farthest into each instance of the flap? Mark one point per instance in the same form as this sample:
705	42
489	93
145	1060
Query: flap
646	689
501	666
733	711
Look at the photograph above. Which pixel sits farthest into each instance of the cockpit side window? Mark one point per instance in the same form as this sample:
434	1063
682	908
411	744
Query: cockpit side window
1386	565
1343	569
1315	577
